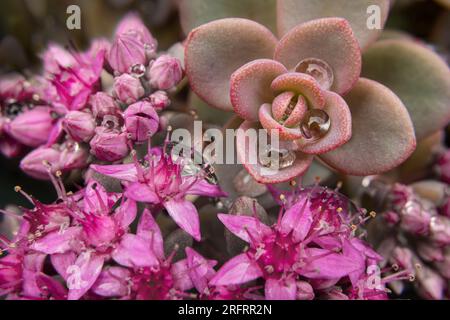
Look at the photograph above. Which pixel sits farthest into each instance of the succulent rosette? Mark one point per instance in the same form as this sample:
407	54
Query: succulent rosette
308	85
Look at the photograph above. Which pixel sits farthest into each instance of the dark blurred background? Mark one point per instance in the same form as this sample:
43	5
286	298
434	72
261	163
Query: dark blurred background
27	26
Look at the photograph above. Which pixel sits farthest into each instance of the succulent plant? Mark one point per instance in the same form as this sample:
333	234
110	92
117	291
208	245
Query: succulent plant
311	92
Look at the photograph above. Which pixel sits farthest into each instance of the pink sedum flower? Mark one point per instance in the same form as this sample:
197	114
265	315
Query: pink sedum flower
302	244
150	276
159	181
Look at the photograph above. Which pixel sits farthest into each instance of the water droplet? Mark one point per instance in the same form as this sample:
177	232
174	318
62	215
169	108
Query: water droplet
13	108
247	186
110	122
315	125
276	158
319	70
138	70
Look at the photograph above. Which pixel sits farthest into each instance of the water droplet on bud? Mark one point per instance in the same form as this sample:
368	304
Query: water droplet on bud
138	70
319	70
315	125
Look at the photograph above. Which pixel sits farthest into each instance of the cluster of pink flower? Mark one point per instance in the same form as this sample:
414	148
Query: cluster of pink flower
419	235
98	244
83	246
65	114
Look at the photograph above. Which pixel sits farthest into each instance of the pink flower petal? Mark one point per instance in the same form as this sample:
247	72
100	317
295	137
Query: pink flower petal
133	251
244	227
126	214
185	215
250	86
267	175
298	219
204	188
354	254
112	283
141	192
280	289
238	270
57	241
340	131
200	270
330	40
180	273
124	172
325	264
382	132
217	49
149	230
62	261
85	272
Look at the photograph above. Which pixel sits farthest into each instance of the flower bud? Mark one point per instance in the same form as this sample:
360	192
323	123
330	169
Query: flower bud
429	252
9	147
414	218
109	145
36	163
165	73
128	89
391	217
304	291
443	166
73	156
141	121
445	208
133	25
440	230
33	127
126	51
79	125
159	100
430	284
103	104
403	258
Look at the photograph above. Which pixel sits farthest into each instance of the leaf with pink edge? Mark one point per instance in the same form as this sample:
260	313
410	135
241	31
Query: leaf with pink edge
217	49
330	40
194	13
293	12
418	76
250	86
383	135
